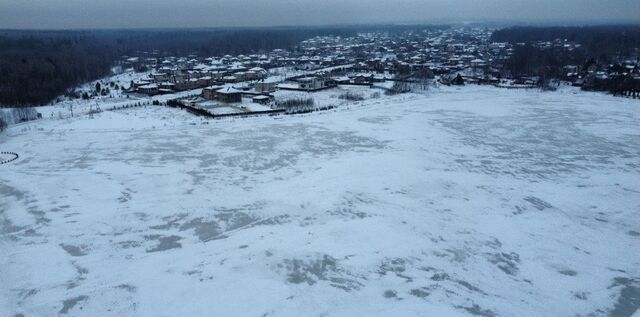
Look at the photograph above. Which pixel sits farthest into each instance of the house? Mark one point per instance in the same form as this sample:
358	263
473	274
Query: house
266	85
150	89
210	93
256	73
452	79
180	85
137	84
363	79
570	70
229	94
192	83
230	79
243	86
315	83
239	76
167	87
159	77
289	86
262	99
309	84
478	63
342	80
205	81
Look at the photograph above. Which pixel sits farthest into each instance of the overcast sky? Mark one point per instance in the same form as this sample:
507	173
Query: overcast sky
64	14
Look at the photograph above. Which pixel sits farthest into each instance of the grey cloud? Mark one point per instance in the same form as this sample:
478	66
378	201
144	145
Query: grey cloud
213	13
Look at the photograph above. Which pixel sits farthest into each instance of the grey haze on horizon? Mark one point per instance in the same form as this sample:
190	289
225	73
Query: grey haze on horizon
73	14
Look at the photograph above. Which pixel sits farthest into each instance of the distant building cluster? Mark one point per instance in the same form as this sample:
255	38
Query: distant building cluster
449	55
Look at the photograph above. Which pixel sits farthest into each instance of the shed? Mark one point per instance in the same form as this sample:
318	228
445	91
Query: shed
262	99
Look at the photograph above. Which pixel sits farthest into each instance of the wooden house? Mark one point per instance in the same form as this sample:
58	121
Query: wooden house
150	89
210	93
229	94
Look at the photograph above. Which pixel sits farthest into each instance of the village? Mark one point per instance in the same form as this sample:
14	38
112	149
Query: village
326	72
386	62
351	68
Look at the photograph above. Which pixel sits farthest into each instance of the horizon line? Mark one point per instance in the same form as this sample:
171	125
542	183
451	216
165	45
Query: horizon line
500	23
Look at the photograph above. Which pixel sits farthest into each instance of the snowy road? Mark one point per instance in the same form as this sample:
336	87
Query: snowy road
465	202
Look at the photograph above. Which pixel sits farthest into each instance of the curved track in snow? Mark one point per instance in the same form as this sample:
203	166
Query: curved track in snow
8	157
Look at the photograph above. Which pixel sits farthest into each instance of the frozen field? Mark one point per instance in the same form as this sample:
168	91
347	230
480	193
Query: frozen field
468	202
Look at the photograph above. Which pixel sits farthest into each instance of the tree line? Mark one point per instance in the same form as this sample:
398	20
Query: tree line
599	45
16	115
596	41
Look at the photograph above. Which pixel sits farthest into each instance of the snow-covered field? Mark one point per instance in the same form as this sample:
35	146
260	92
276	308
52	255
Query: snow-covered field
462	202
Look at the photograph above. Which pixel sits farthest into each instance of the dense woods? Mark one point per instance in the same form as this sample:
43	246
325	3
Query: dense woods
38	66
35	69
528	60
598	44
595	40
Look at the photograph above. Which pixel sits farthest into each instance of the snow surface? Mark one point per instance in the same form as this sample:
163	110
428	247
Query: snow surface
468	201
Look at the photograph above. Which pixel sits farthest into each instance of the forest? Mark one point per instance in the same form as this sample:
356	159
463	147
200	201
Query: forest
599	45
596	40
38	66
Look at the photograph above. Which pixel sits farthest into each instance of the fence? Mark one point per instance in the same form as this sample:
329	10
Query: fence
15	157
250	113
131	105
178	103
632	93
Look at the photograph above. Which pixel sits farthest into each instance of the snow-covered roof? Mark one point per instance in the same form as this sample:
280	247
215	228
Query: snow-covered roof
228	91
272	80
289	86
215	87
